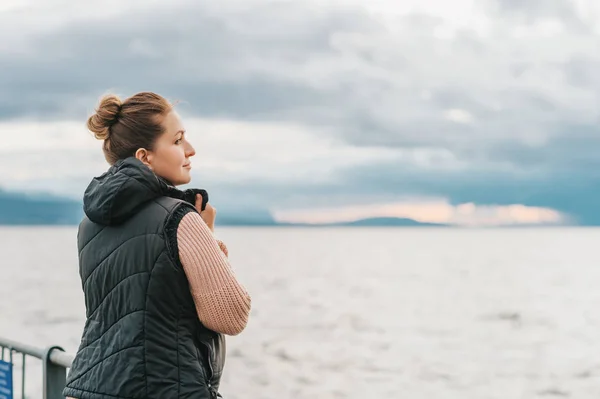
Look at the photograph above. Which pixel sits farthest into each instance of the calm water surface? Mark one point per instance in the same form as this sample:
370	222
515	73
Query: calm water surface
365	313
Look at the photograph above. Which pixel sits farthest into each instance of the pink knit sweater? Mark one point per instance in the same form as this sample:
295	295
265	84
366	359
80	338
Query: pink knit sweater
222	302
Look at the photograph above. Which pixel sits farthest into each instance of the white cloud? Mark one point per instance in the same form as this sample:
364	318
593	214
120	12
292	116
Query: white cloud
24	135
458	116
226	151
274	152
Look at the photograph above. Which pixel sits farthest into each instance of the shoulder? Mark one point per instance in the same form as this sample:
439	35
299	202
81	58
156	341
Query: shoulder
178	212
190	218
173	223
192	225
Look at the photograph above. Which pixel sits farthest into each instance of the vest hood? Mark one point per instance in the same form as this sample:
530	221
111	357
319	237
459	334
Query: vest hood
119	193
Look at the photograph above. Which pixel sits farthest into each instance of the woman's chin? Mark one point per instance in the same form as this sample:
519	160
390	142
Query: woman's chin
185	179
180	181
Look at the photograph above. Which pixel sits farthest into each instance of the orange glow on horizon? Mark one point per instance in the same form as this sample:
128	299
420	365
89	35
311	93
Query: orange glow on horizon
434	211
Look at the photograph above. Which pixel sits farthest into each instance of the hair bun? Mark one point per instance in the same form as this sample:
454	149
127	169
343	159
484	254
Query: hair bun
107	114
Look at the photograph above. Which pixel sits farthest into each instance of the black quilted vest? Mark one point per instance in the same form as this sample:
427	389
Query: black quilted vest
142	337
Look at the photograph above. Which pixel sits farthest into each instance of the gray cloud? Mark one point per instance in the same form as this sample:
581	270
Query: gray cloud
582	71
184	52
532	11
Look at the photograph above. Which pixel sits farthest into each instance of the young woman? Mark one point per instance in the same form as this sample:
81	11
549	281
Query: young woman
159	290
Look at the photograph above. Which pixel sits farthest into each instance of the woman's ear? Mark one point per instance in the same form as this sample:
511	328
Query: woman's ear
142	155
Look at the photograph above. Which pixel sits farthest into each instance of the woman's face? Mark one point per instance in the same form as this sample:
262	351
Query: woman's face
170	158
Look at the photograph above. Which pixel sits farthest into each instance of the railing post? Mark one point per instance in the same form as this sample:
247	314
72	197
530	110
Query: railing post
55	377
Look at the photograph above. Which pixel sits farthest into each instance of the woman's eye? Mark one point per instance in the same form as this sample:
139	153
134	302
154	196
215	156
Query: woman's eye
177	141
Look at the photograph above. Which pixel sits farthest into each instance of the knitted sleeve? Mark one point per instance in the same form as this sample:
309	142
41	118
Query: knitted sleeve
222	302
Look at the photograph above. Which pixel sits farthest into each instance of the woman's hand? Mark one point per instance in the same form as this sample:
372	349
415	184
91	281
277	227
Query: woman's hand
208	214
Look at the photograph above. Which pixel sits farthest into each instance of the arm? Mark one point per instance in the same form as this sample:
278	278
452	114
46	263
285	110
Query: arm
222	303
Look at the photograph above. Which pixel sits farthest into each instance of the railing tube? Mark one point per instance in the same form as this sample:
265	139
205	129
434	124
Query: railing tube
55	376
55	363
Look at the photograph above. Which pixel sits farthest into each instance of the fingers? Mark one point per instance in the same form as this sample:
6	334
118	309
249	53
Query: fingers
208	208
202	201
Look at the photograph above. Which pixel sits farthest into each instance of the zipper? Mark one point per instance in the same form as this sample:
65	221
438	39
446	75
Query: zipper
213	393
212	372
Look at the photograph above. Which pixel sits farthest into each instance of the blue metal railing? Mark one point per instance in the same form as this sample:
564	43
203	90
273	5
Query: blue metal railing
55	363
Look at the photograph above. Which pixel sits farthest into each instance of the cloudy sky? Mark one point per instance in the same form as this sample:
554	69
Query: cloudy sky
468	112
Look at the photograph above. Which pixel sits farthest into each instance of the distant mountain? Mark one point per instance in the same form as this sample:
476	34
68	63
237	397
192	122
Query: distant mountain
249	217
388	221
369	222
265	219
38	209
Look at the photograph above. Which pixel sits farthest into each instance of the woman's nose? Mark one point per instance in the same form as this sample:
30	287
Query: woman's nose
190	151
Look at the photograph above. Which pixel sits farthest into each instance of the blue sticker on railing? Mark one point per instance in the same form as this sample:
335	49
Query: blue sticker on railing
6	380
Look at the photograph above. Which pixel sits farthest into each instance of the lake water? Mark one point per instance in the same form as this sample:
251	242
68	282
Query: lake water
365	313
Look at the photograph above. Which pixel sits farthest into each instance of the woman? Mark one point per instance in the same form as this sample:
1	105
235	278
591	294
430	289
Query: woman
159	290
